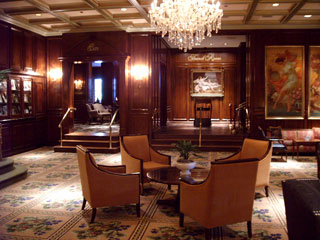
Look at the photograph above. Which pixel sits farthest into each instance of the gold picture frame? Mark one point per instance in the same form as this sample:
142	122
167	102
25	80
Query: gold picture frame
314	83
284	82
207	82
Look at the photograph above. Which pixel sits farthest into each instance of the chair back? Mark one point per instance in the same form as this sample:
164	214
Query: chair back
253	148
137	146
84	168
230	189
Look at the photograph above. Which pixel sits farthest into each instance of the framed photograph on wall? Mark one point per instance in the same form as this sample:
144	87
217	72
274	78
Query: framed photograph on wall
207	83
314	83
284	82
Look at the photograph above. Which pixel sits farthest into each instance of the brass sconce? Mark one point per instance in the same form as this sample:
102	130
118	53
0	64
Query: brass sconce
78	84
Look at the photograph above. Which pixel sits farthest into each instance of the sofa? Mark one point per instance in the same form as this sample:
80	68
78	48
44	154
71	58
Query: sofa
288	135
302	205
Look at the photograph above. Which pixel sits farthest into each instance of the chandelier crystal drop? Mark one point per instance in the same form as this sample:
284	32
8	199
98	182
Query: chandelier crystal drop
186	21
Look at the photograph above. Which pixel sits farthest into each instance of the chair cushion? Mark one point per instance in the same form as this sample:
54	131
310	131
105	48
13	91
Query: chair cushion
100	108
305	134
316	132
289	134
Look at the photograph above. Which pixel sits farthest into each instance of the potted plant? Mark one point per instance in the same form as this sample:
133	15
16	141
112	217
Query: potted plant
185	149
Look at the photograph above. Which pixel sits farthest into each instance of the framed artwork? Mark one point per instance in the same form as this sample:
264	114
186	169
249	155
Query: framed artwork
207	83
284	82
314	83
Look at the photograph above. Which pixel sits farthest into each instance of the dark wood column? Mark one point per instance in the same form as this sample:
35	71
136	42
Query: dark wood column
67	94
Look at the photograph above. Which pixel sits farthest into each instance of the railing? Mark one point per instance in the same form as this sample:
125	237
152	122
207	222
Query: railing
110	127
155	119
62	120
241	117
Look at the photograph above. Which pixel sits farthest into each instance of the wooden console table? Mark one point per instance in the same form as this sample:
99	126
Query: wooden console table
297	143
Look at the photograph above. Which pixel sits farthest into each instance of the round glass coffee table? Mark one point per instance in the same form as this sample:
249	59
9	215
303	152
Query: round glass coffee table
171	176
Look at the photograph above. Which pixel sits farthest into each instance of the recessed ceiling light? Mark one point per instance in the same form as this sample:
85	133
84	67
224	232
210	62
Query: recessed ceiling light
275	5
225	44
123	9
307	16
38	14
211	44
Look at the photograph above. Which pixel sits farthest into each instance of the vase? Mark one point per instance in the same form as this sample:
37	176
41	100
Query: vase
185	167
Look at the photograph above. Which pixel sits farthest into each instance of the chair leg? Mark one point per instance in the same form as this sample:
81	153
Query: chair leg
266	189
208	233
249	229
169	186
181	219
84	203
93	216
138	209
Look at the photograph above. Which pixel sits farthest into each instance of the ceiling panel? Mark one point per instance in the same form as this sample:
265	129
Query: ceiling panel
60	16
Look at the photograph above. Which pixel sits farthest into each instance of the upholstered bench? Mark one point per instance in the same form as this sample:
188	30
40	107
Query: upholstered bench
302	204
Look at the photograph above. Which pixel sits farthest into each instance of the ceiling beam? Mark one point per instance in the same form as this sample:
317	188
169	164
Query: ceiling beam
106	15
22	11
45	21
252	8
140	9
45	8
293	11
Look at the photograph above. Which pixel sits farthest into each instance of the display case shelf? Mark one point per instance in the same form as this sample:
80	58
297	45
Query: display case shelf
16	97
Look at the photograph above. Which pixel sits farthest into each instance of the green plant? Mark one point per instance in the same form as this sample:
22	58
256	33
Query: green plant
185	148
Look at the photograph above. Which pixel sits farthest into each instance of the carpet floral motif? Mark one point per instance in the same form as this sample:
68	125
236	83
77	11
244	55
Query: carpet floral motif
69	205
44	166
42	186
113	230
14	201
258	234
61	175
172	233
262	214
39	226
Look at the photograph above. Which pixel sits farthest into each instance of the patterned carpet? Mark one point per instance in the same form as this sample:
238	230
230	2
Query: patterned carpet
47	205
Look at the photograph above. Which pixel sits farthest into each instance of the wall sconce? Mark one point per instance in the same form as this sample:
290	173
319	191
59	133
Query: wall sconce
55	74
78	84
140	72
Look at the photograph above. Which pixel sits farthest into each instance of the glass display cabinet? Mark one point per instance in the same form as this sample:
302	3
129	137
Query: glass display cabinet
16	99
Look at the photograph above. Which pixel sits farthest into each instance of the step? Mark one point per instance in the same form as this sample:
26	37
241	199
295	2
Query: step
91	149
196	141
90	143
16	174
205	148
90	136
195	136
6	165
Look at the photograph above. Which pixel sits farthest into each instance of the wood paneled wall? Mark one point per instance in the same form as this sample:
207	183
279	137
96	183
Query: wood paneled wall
54	88
181	66
258	40
24	53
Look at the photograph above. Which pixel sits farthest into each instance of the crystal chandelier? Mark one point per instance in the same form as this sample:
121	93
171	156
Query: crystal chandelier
186	21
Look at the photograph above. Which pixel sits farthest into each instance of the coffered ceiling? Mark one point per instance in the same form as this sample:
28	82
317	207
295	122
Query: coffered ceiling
54	17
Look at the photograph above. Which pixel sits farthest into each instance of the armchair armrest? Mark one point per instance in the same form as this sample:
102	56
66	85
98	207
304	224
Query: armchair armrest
189	180
159	157
235	156
132	164
114	169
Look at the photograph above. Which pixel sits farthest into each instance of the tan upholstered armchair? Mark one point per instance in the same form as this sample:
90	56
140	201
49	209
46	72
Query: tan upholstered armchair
139	156
225	197
252	148
106	185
